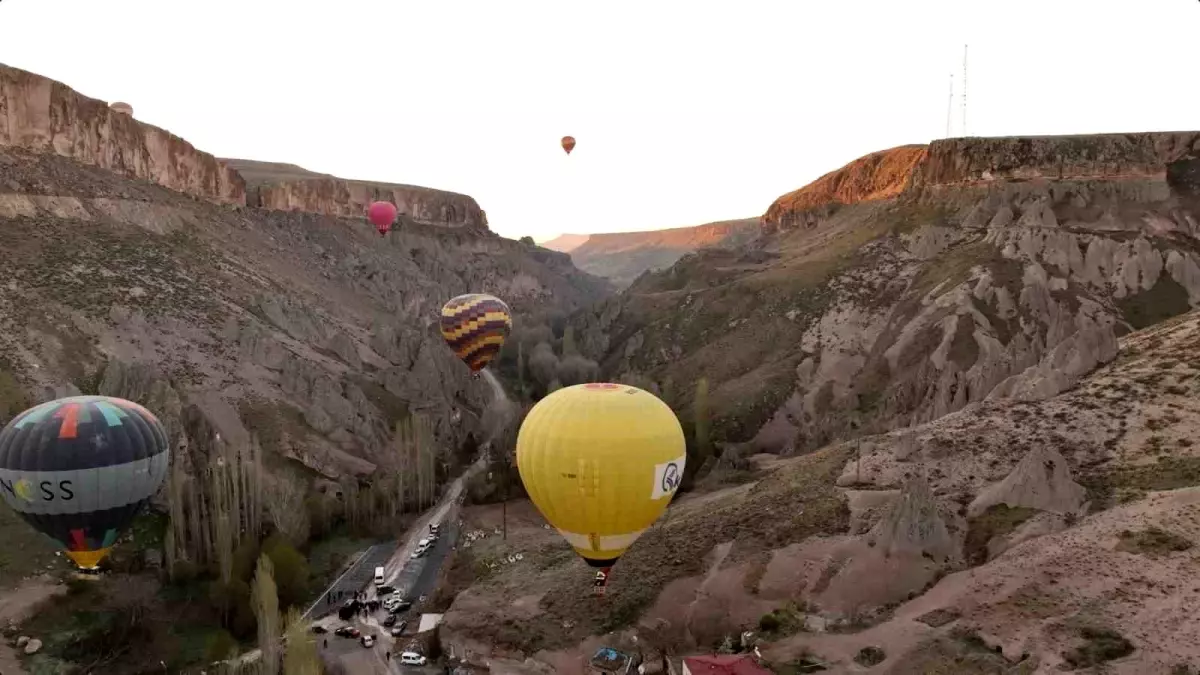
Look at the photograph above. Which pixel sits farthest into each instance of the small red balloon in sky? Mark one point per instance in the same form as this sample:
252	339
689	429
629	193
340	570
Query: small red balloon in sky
382	215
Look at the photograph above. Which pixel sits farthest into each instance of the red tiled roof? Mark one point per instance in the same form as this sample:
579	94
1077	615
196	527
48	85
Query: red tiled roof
724	664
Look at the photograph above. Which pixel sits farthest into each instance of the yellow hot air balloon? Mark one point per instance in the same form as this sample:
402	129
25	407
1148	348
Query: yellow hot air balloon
601	462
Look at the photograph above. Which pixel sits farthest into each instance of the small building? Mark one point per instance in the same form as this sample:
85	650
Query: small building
723	664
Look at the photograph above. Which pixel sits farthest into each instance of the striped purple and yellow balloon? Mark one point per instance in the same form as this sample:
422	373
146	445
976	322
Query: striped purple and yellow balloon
475	326
78	469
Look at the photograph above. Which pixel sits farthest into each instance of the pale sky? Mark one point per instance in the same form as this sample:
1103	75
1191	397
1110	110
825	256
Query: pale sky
686	111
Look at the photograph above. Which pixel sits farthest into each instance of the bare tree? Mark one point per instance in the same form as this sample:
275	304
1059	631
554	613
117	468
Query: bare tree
568	342
266	610
543	364
175	545
702	421
220	503
301	657
284	498
521	364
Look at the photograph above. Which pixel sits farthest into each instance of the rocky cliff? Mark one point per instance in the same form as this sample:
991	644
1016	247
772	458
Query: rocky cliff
622	257
39	114
916	281
285	187
42	115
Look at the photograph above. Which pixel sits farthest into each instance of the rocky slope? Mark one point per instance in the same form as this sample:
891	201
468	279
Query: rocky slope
622	257
304	329
1006	537
915	281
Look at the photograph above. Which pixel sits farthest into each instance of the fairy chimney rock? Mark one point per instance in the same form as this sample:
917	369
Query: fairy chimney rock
1042	480
913	525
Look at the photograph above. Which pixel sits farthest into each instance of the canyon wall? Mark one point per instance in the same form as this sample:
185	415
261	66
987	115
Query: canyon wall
42	115
45	116
286	187
962	162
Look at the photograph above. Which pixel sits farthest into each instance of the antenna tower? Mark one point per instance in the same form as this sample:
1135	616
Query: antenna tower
964	92
950	106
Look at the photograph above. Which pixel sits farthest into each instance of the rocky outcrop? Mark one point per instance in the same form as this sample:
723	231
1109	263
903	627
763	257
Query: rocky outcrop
285	187
1042	480
913	526
966	161
879	175
42	115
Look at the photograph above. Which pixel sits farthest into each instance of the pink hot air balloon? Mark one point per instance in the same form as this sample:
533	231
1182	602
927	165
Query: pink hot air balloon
382	215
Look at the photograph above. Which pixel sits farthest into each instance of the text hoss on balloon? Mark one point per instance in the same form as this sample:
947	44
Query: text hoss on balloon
79	469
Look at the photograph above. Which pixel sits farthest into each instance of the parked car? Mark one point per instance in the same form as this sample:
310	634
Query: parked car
389	620
398	629
381	591
368	640
412	659
318	628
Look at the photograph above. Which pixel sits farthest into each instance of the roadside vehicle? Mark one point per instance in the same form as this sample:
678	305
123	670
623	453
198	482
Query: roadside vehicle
412	659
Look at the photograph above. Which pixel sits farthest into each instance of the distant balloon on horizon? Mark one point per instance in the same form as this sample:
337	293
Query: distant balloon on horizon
122	108
568	143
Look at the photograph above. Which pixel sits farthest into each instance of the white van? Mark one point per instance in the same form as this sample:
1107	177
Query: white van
378	576
412	659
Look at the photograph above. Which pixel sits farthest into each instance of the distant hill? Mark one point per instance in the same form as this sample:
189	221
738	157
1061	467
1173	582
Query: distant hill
622	257
565	243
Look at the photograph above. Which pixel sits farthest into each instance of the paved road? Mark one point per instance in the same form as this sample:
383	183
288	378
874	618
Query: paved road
414	577
354	579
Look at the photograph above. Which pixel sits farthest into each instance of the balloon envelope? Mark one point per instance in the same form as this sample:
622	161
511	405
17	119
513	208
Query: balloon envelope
382	215
78	469
568	143
475	326
601	462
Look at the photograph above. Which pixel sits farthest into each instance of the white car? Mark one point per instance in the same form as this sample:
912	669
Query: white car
412	659
368	640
